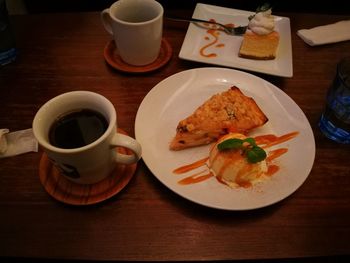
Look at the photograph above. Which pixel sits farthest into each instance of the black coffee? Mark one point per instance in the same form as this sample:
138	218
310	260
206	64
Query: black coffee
77	129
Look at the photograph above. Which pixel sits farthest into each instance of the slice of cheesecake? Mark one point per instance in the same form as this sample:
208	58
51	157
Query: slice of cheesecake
260	47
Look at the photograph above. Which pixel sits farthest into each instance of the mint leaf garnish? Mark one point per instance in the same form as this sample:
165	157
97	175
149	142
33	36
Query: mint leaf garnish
230	144
263	8
248	146
256	154
250	140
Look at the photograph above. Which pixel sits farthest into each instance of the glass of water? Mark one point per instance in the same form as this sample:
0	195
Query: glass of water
335	120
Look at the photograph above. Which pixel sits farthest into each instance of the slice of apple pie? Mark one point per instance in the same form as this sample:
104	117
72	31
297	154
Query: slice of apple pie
229	111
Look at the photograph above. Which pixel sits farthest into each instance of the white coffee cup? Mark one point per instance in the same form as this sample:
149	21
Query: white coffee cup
136	26
92	162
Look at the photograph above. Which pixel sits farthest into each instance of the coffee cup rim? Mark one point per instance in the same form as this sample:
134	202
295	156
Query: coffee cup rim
38	118
161	13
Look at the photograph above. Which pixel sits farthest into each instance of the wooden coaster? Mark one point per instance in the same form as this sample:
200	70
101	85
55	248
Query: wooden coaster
113	59
69	192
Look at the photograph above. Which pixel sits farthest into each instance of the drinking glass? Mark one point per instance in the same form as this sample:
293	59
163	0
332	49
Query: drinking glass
335	120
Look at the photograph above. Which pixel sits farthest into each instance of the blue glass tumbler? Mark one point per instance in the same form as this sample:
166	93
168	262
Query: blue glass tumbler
7	41
335	120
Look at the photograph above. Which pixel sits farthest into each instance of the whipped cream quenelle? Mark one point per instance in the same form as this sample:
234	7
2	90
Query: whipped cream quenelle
262	23
232	167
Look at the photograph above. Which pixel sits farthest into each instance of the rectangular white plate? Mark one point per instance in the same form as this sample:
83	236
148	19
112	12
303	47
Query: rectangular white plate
227	55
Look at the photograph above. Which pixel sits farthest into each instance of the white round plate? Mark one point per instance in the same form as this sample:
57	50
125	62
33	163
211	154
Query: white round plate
176	97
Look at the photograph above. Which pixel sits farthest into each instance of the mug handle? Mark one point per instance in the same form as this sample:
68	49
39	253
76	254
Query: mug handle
129	143
107	20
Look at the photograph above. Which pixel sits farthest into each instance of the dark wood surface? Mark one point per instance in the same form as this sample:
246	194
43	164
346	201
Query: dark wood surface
147	221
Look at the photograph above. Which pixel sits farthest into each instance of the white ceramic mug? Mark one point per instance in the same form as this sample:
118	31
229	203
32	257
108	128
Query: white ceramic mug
137	27
95	161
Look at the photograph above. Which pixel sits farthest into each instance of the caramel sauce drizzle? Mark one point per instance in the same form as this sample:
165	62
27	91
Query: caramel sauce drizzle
276	153
272	169
270	139
264	141
196	178
190	167
203	49
213	31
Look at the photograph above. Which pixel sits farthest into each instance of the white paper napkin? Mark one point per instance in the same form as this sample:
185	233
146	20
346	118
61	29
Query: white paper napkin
326	34
18	142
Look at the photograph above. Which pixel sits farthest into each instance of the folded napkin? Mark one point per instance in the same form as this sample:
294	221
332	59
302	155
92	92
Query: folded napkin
18	142
326	34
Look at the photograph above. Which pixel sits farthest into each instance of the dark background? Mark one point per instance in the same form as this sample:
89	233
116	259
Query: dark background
326	7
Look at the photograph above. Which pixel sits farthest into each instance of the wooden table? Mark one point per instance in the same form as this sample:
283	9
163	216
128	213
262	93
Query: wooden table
147	221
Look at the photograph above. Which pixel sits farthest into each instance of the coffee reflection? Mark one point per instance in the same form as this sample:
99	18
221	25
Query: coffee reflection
77	129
